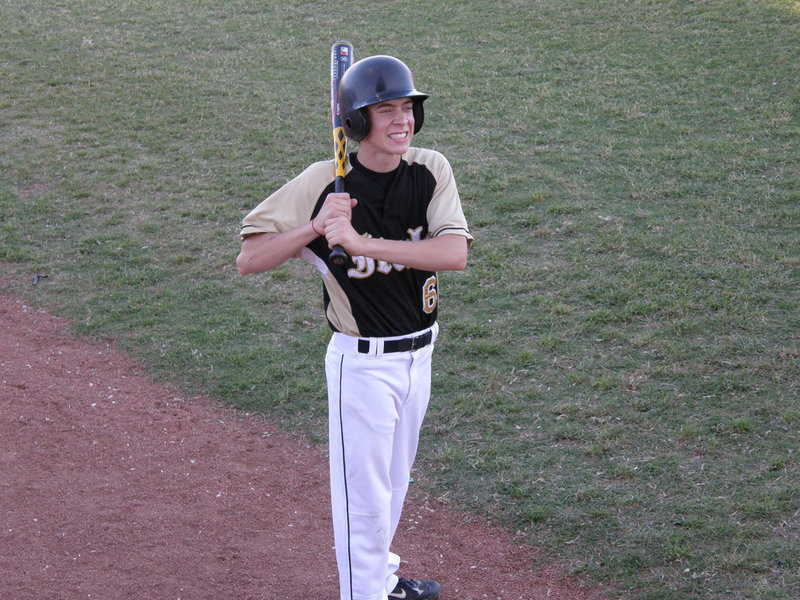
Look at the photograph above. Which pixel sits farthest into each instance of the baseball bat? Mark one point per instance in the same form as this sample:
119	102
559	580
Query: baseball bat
341	59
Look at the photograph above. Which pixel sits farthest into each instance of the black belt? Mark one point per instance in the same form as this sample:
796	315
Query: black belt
401	345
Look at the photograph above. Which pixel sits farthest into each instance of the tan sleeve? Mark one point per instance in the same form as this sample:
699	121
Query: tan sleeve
445	215
291	205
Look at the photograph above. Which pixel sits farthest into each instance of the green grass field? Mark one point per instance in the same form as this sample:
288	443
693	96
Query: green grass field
618	373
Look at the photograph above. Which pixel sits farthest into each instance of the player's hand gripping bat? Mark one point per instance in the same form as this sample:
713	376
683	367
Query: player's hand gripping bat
341	59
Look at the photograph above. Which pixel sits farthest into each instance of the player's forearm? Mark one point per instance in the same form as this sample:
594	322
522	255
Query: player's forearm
443	253
265	251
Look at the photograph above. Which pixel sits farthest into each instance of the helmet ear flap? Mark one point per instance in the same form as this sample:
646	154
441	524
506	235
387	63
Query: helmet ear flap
356	124
419	114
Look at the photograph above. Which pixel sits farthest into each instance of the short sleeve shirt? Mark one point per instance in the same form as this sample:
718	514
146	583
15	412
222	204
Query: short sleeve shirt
367	297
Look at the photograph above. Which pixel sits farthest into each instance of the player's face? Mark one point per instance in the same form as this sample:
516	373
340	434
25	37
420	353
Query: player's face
391	130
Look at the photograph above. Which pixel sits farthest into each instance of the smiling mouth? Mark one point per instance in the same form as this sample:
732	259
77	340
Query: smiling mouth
398	136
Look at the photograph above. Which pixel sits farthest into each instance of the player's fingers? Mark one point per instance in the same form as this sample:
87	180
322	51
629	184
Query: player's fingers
335	204
344	205
338	230
341	208
338	199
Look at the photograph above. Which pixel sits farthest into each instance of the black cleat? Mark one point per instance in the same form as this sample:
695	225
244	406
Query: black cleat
411	589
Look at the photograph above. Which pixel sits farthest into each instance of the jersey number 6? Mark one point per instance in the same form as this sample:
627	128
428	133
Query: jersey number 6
430	295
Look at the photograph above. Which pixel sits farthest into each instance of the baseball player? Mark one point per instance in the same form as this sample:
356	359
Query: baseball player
400	220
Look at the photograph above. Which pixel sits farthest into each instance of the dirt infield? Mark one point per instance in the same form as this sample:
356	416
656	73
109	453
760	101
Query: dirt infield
114	487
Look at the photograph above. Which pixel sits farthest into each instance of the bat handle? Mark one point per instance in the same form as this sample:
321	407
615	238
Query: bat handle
338	255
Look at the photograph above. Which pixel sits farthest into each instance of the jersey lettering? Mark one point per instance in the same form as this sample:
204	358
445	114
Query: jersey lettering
415	235
366	267
385	268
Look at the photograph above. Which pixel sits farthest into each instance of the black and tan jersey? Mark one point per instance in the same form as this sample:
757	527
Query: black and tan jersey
371	298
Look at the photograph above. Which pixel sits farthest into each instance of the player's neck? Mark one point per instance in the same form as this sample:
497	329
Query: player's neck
380	162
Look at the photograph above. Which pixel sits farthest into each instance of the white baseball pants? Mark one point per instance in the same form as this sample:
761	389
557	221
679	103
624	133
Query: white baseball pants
376	402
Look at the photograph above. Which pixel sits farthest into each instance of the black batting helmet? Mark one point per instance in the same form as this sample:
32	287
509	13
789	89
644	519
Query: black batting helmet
369	81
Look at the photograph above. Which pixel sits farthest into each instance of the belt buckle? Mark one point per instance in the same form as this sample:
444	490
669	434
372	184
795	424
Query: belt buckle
418	342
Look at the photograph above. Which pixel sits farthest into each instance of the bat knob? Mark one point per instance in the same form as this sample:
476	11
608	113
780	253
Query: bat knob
338	256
